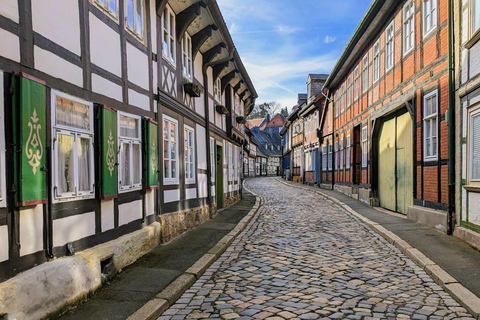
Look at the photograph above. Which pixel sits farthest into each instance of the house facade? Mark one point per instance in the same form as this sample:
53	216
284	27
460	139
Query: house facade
390	95
114	115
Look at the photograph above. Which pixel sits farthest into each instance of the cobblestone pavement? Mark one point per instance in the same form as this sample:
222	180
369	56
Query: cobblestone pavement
305	258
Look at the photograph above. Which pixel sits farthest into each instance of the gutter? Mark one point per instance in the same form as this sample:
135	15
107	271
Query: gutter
451	126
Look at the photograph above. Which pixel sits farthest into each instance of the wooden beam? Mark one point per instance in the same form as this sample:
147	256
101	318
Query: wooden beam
200	37
212	53
218	69
160	6
229	77
238	86
186	17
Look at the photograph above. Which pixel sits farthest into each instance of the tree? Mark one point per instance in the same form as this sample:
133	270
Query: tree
284	112
270	108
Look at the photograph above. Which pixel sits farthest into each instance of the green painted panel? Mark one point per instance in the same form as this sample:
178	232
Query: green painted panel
386	165
108	151
151	141
29	119
404	162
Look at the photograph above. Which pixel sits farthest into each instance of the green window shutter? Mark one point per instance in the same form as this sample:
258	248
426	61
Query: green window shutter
29	130
108	140
151	143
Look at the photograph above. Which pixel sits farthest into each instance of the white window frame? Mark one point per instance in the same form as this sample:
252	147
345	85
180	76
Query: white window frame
189	149
408	27
365	73
429	16
131	141
389	47
75	133
324	158
356	83
217	90
349	90
473	113
341	153
170	180
105	6
336	155
364	146
187	60
137	33
330	156
230	162
433	134
212	159
3	186
376	61
348	156
337	101
471	29
342	98
169	45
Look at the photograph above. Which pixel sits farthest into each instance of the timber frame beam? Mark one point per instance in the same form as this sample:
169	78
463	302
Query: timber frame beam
186	17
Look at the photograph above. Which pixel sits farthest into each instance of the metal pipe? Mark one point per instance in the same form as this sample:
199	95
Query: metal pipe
451	126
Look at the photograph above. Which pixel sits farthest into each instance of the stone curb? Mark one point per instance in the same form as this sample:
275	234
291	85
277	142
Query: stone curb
461	294
167	297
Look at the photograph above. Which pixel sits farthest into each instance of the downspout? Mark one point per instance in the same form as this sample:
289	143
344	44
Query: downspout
451	126
207	127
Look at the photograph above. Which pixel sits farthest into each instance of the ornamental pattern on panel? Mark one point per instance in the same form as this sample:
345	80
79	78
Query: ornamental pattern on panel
34	147
110	156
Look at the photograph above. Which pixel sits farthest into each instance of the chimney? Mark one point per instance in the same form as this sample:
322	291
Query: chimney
302	98
315	84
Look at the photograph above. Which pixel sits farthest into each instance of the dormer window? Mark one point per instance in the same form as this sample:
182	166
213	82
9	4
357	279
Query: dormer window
168	35
187	56
217	90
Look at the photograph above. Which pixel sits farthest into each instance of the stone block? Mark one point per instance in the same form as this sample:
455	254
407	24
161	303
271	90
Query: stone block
429	217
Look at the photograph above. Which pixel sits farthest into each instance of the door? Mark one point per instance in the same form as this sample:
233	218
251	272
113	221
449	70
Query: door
357	156
219	177
395	163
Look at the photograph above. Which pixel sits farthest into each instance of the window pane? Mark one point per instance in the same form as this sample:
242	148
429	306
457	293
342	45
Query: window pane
166	170
130	13
173	151
84	163
137	166
126	179
165	149
475	148
129	127
139	20
65	173
476	15
113	6
174	169
72	114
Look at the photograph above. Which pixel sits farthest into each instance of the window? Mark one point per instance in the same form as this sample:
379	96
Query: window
389	47
341	153
189	155
329	156
170	149
324	158
230	162
336	155
2	147
72	147
130	159
408	26
364	147
430	125
349	90
356	77
365	73
474	16
212	158
135	16
347	156
474	145
337	100
217	90
168	35
110	6
376	61
429	16
187	56
342	101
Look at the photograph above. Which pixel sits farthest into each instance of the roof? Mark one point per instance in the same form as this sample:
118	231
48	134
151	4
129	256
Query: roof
318	76
266	139
254	123
277	121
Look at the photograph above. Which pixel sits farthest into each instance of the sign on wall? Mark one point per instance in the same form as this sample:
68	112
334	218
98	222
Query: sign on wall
108	163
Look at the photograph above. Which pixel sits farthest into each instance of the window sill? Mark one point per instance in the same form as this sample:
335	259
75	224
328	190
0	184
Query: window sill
70	199
430	159
141	39
169	61
473	40
125	190
472	188
430	33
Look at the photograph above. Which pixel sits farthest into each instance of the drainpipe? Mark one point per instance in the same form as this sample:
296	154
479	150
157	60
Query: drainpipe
451	126
207	126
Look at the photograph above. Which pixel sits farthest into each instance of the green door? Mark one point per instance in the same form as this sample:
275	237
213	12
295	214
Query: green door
219	177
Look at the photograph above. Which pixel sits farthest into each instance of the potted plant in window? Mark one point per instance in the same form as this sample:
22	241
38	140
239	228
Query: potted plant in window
193	89
241	120
221	109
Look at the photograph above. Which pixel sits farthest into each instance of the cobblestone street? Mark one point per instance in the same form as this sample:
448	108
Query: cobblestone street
303	257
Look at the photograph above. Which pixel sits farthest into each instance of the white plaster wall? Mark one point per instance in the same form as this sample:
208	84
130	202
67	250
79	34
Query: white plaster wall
107	88
155	77
200	106
138	100
171	195
129	212
211	110
210	80
31	230
202	186
57	67
105	46
474	208
3	243
59	21
108	220
73	228
191	193
201	148
137	66
218	119
197	68
150	202
153	24
9	9
10	47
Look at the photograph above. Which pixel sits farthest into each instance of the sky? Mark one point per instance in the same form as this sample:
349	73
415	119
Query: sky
282	41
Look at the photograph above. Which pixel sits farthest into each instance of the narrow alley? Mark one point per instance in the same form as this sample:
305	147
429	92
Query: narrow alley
296	260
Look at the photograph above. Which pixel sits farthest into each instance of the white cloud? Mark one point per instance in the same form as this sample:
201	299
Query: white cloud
329	39
287	30
233	28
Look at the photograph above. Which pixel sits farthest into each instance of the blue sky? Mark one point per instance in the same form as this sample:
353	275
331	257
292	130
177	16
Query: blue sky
282	41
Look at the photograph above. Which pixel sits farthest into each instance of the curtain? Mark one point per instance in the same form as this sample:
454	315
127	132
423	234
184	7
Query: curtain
84	169
65	164
137	165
